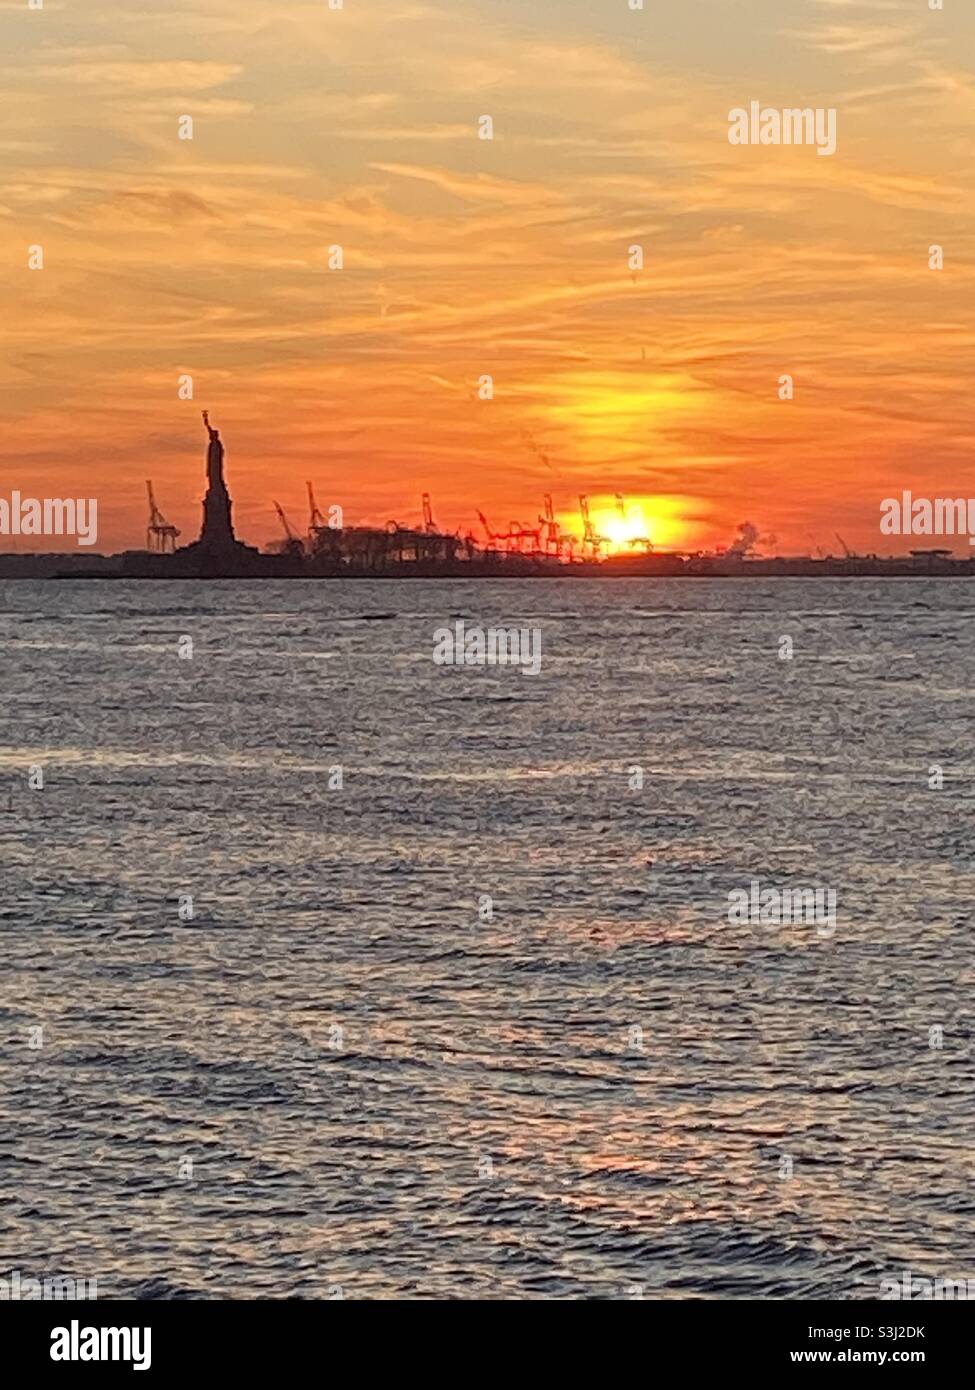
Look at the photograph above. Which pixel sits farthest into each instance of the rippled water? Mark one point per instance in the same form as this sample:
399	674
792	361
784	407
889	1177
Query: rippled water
382	1092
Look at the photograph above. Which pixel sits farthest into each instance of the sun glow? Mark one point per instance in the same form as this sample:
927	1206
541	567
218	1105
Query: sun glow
626	526
626	530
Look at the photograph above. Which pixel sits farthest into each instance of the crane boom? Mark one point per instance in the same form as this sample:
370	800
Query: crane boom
286	524
160	535
316	522
589	537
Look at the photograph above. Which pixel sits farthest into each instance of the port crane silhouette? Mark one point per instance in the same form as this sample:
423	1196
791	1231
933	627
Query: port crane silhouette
589	537
160	534
292	543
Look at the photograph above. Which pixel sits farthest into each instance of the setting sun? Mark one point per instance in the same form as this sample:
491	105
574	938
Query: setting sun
626	528
624	525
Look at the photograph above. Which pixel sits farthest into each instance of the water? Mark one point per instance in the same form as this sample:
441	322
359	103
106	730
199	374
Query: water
383	1093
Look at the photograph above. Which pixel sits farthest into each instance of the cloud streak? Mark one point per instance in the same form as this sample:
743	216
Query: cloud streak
465	257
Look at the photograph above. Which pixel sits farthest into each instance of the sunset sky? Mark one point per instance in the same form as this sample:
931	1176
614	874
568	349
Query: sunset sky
509	258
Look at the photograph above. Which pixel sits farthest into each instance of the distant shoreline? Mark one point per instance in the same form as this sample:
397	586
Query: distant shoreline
137	565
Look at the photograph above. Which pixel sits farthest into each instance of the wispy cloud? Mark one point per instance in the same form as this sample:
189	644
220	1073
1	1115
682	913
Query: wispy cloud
315	128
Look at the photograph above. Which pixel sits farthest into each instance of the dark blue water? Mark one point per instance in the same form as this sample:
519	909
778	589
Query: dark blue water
342	1070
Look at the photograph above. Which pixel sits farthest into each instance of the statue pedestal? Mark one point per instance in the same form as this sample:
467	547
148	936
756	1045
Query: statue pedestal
218	529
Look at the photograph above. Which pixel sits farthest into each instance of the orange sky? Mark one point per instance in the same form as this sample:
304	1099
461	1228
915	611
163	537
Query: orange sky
465	257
